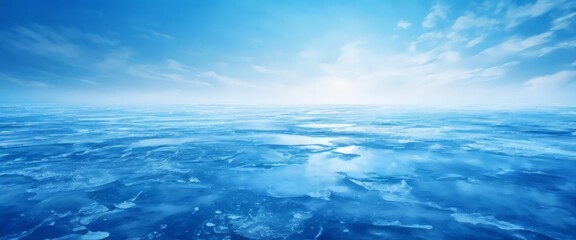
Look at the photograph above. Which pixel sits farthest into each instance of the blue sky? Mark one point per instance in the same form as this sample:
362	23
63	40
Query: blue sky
288	52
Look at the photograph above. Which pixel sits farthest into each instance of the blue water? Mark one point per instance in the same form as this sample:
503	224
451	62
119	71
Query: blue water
324	172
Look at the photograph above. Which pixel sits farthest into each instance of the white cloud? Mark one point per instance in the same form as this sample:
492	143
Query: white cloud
77	35
263	70
518	14
426	37
115	60
475	41
66	45
170	70
552	81
42	41
308	53
22	82
449	56
472	21
517	44
563	22
149	33
437	76
556	89
403	24
99	39
558	46
495	72
358	74
352	53
226	80
437	12
89	82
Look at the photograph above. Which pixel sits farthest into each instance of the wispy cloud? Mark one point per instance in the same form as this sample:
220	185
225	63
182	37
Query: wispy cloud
168	71
43	41
263	70
563	22
426	38
115	59
403	24
555	47
89	82
150	33
518	44
553	81
63	44
475	41
226	80
470	20
515	15
359	75
437	12
556	88
494	72
22	82
308	53
98	39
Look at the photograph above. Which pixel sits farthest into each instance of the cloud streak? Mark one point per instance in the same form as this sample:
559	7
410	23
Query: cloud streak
437	12
403	24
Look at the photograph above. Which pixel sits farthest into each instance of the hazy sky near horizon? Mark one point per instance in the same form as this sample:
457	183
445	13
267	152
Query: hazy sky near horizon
288	52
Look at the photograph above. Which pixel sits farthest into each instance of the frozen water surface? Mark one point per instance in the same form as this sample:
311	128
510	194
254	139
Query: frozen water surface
324	172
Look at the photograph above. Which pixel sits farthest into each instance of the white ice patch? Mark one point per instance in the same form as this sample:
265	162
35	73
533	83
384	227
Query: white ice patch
384	162
287	139
517	147
128	203
423	133
389	192
94	235
322	194
349	150
91	212
80	228
399	224
326	125
401	187
269	225
154	142
450	176
321	165
323	171
476	218
124	205
233	216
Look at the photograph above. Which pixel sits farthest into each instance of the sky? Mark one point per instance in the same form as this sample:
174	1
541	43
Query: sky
289	52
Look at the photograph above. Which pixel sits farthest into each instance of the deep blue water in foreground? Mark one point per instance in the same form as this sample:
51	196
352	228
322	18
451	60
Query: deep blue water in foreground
239	172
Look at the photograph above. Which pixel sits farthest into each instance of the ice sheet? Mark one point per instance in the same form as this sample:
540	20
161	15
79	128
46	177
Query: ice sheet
325	172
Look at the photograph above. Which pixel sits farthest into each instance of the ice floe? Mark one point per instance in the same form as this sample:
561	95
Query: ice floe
476	218
399	224
94	235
